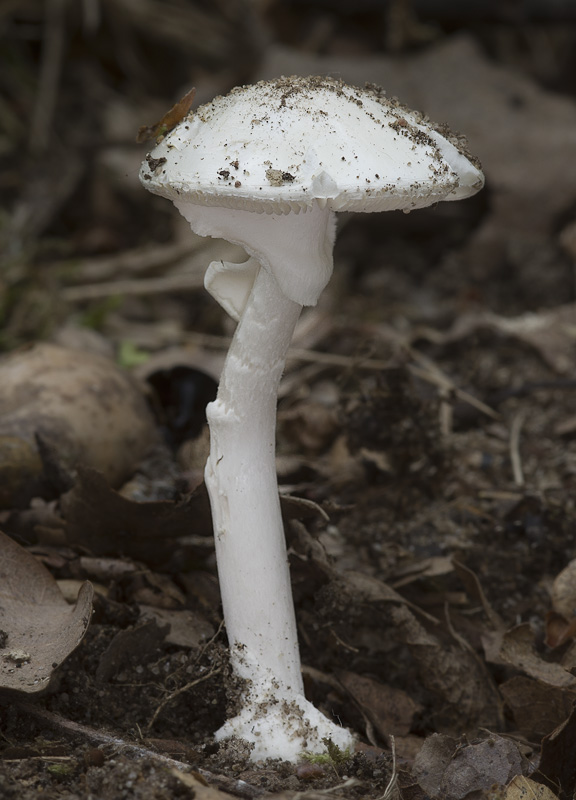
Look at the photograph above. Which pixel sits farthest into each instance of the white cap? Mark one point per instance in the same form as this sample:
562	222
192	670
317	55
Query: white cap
278	145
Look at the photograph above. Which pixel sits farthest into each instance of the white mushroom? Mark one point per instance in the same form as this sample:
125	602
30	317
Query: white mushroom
267	167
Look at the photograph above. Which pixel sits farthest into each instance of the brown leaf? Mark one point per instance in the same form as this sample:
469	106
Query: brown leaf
390	710
537	708
187	628
454	674
451	773
105	522
432	760
557	768
138	642
518	649
559	630
155	589
38	629
170	119
367	589
563	592
521	788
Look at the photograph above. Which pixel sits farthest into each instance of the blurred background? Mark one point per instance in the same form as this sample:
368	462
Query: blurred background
82	244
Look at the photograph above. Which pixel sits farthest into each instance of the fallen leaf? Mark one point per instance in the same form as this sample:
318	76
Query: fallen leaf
133	643
154	589
445	770
70	588
432	760
390	710
468	696
38	629
559	630
521	788
103	521
557	768
367	589
170	119
187	628
563	593
537	708
518	650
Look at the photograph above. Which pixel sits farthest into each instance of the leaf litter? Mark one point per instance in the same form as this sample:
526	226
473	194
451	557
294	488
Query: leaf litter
426	451
38	628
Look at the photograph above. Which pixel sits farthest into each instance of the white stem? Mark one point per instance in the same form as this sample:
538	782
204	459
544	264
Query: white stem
241	481
291	261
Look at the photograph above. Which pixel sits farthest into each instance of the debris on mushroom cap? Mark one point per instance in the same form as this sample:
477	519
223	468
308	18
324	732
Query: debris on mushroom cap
279	145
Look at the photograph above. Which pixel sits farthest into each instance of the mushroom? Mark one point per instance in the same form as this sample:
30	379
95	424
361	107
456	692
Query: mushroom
266	167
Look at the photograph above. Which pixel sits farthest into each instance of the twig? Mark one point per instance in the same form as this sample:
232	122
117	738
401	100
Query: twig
186	281
100	738
391	790
50	70
446	413
326	793
178	692
430	374
515	457
134	261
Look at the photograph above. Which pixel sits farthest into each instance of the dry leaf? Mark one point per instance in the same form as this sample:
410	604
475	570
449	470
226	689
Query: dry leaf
518	649
103	521
187	628
390	710
38	629
557	768
521	788
454	674
432	760
155	589
559	630
138	642
170	119
537	708
449	772
563	592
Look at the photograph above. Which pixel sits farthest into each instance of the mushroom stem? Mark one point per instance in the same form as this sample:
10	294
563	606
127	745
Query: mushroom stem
289	265
241	481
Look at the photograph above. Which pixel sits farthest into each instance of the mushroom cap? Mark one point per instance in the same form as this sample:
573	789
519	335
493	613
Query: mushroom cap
279	145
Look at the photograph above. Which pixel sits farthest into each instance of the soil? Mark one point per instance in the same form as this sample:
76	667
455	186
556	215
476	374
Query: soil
427	416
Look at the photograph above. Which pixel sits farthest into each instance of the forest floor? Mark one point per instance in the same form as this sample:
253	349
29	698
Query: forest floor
426	416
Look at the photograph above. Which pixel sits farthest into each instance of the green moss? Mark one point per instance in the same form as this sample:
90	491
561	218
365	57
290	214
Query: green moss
333	755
